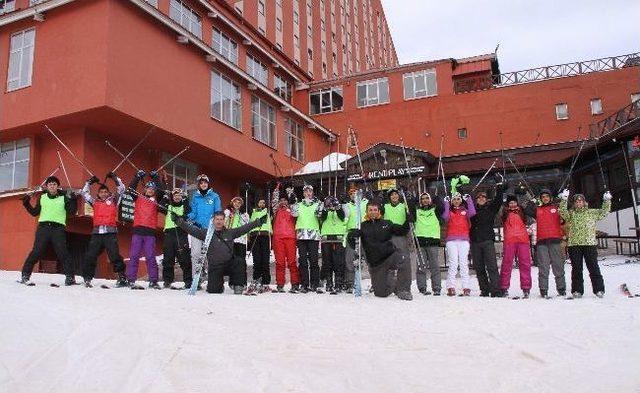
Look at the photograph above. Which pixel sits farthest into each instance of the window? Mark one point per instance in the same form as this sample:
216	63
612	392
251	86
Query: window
153	2
7	6
263	121
296	41
310	53
462	133
180	173
226	105
562	111
278	24
295	140
257	70
34	2
596	106
225	46
420	84
186	17
309	31
282	88
635	97
21	59
261	9
14	164
296	17
373	92
326	100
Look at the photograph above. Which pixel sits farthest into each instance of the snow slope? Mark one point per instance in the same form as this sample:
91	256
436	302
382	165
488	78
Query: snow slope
118	340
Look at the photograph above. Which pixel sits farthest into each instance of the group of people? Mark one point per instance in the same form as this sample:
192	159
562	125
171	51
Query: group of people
392	232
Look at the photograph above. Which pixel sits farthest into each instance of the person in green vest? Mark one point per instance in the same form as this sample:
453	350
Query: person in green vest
396	212
307	212
235	218
427	228
260	246
176	242
52	206
352	224
333	232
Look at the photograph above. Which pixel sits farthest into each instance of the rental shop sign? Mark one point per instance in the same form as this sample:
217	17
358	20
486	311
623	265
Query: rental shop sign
386	173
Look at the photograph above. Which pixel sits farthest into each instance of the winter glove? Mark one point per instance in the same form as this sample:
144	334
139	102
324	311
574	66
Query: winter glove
447	199
111	175
70	194
499	179
607	196
153	174
466	197
565	194
141	174
93	179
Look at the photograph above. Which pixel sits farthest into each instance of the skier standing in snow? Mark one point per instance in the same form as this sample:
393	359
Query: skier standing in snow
220	258
284	238
582	244
145	222
427	228
204	202
307	213
52	206
234	217
516	245
548	237
176	242
458	218
259	244
104	235
352	223
389	273
333	232
396	212
483	250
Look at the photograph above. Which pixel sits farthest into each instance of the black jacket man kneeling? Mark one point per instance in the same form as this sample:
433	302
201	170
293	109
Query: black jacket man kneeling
220	259
383	257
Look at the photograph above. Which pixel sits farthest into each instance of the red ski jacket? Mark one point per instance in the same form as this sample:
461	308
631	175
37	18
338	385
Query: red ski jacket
146	213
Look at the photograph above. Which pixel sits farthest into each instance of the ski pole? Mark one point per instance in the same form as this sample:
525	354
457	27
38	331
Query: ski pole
604	181
441	167
69	150
126	158
39	188
504	163
172	159
521	177
63	168
573	164
485	175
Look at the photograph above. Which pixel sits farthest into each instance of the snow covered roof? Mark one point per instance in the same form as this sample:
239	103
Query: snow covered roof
329	163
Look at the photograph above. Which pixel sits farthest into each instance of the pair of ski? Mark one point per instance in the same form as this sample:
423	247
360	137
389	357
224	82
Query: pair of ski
625	289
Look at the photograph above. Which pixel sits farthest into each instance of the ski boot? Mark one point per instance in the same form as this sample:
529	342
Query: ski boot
466	292
451	292
404	295
264	289
134	286
562	293
295	288
280	289
238	289
304	290
26	281
154	285
576	295
348	289
166	285
122	282
484	294
319	290
424	291
436	293
525	294
251	290
69	281
504	293
87	283
600	294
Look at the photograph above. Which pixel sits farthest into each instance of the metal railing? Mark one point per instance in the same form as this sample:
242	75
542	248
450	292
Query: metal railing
548	72
616	120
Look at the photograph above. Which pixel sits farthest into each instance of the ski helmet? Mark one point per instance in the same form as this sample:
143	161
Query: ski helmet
177	191
307	187
202	177
150	185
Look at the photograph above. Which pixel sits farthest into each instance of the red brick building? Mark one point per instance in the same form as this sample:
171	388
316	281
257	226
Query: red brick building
204	74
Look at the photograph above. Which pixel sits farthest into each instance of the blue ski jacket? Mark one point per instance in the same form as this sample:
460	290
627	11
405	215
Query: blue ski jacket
203	207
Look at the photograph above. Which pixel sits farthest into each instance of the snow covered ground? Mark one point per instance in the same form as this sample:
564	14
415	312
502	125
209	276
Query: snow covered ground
118	340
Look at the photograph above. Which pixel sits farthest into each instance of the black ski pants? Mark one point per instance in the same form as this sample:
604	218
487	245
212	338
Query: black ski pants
98	243
176	246
590	256
49	233
308	263
259	246
232	268
393	275
239	259
485	264
333	263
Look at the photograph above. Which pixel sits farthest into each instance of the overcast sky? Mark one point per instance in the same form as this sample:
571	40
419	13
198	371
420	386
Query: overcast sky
531	33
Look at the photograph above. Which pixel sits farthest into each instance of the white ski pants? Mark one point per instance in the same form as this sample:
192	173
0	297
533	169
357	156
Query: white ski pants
458	257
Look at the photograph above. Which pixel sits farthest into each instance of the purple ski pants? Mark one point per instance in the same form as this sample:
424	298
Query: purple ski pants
142	245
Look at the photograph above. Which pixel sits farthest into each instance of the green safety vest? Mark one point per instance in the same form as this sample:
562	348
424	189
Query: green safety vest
52	209
307	217
396	214
427	223
235	221
168	222
352	219
266	227
333	225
